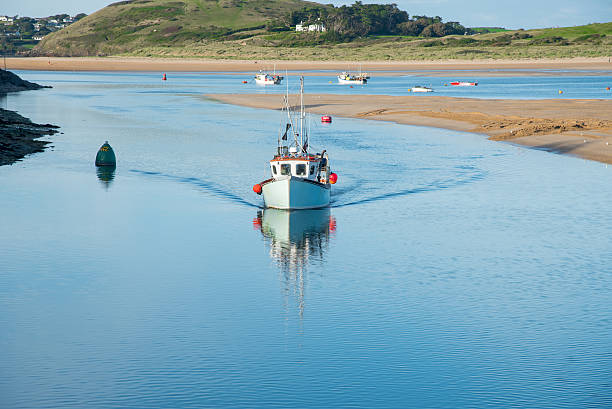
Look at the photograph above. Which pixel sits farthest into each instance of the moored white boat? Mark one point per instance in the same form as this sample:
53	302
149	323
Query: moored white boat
419	88
346	78
300	179
263	78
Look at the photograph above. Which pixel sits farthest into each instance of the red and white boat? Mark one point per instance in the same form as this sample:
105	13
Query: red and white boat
326	119
464	84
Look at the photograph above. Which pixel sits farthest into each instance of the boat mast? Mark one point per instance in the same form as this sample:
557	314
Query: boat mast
301	113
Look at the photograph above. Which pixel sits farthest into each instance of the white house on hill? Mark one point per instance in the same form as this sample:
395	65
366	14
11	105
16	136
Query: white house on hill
311	27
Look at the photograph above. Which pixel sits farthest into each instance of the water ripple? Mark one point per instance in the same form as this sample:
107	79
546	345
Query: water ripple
208	186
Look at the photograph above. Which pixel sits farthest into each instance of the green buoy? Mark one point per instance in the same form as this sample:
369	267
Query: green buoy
106	156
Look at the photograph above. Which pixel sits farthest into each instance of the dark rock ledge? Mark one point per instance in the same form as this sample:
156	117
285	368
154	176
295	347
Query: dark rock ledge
18	135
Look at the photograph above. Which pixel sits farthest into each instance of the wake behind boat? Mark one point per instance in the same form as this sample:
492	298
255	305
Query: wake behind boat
300	179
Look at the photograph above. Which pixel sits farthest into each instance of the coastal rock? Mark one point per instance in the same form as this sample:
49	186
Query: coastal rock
19	136
10	82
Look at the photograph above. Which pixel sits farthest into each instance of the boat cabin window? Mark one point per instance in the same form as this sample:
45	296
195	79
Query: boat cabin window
285	169
274	169
300	169
311	169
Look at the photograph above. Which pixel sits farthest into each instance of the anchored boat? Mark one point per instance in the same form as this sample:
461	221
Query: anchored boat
348	78
300	179
263	78
419	88
464	84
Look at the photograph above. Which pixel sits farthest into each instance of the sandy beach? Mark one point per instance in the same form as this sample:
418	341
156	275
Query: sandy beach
578	127
527	67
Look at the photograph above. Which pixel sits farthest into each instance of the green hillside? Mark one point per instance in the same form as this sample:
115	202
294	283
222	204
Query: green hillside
265	29
130	25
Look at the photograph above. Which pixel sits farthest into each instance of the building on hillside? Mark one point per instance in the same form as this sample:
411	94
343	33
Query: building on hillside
37	37
6	19
310	27
316	27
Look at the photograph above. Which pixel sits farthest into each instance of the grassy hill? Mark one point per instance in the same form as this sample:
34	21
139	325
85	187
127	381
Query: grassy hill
128	26
241	29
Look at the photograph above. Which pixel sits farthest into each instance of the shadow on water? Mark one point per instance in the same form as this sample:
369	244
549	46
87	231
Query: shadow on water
207	186
106	175
295	239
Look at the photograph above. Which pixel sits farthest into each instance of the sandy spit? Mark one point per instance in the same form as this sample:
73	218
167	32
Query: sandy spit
399	67
577	127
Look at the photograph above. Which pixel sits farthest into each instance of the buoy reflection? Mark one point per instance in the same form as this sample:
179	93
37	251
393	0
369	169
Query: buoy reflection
295	239
106	175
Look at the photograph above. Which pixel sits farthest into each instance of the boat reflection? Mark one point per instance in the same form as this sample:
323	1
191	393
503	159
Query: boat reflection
296	239
106	175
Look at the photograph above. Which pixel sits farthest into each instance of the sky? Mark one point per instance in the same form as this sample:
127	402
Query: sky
471	13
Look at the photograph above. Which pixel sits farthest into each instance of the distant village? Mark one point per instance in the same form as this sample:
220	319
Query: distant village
18	35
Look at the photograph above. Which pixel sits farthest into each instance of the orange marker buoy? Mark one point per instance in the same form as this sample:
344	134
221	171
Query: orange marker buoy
257	188
351	86
607	88
560	92
164	77
244	82
333	178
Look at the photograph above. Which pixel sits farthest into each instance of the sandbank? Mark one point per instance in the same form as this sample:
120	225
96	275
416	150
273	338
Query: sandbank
571	126
596	66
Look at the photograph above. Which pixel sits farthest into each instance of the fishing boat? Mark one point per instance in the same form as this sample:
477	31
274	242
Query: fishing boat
263	78
348	78
300	179
464	84
419	88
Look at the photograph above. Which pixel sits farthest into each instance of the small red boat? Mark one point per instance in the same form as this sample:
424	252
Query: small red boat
326	119
464	83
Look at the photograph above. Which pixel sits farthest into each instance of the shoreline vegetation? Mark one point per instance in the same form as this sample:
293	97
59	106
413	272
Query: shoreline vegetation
18	135
580	128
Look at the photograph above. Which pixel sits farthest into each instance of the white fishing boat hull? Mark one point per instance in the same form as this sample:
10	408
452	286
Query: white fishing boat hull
266	82
358	82
295	193
421	89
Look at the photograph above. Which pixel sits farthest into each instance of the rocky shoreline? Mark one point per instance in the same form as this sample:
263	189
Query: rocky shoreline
18	135
10	82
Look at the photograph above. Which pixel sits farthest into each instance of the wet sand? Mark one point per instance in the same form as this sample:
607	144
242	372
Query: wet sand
600	65
578	127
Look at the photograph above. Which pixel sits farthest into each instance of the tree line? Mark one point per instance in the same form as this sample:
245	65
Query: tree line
360	20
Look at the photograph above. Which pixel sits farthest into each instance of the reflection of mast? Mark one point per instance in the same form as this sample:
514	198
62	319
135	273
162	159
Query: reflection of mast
296	239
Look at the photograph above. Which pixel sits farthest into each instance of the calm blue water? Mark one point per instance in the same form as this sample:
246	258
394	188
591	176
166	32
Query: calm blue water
450	272
520	87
